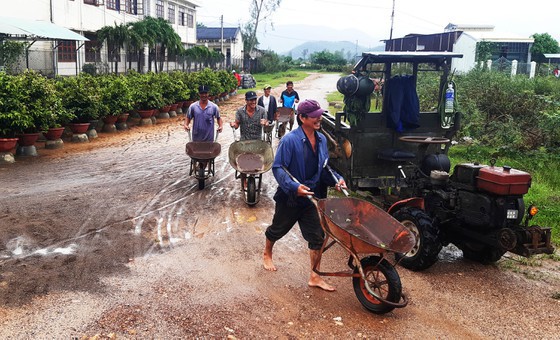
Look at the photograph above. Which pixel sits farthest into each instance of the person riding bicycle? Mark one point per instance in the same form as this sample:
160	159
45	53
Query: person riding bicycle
289	98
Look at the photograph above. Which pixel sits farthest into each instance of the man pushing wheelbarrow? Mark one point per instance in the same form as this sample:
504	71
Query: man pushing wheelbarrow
359	227
303	152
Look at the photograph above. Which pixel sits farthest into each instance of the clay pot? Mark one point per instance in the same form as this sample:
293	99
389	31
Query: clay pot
7	144
27	139
54	133
79	128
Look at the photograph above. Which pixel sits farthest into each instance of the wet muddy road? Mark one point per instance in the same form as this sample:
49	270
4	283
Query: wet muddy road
114	239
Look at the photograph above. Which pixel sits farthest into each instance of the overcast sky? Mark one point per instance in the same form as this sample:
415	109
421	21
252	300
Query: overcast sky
374	17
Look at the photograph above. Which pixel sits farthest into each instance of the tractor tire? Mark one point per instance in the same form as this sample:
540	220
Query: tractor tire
428	244
481	253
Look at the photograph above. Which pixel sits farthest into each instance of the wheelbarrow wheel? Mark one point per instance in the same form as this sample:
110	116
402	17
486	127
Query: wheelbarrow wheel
251	191
281	130
382	279
201	176
428	244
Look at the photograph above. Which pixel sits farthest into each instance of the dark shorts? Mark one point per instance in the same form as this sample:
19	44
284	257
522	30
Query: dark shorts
285	217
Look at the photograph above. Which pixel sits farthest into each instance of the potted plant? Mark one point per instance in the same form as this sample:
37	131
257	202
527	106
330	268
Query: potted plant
146	93
80	97
116	99
13	109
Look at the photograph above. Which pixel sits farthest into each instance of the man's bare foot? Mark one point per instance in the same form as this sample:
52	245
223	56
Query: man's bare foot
268	264
320	283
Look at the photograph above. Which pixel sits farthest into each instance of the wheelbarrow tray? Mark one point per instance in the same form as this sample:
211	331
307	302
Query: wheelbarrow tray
363	227
284	114
251	157
203	150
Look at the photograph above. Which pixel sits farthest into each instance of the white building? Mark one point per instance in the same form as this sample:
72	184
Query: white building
85	17
506	45
227	40
463	39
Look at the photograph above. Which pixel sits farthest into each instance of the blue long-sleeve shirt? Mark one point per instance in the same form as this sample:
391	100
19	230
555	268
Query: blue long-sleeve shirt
290	154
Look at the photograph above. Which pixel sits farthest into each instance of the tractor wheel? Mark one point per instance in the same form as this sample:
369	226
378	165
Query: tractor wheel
382	279
428	244
481	253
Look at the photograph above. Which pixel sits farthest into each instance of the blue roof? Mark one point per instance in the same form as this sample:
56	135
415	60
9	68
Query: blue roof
215	33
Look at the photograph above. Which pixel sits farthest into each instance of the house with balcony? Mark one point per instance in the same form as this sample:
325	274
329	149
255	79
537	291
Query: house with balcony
85	17
505	48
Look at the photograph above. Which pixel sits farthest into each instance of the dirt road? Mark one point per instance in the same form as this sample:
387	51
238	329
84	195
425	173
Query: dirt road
113	238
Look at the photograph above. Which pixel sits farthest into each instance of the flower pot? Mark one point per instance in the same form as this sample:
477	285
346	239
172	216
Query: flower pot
109	120
145	113
7	144
54	133
109	123
27	139
165	109
121	121
79	128
122	118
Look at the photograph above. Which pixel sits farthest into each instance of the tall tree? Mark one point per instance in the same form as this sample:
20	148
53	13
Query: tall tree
544	43
261	11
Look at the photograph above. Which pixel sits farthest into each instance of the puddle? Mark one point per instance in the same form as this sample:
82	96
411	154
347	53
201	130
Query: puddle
21	247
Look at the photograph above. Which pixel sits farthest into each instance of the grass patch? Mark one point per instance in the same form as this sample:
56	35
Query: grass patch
278	78
335	97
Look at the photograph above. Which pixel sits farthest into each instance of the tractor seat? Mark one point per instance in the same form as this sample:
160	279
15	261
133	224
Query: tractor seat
395	155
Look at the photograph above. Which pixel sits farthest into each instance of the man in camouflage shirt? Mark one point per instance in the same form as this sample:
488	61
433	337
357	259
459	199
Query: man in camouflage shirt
250	118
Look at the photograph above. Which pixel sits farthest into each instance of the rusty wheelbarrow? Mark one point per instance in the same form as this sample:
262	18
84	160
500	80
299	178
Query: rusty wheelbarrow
250	159
202	156
283	116
361	228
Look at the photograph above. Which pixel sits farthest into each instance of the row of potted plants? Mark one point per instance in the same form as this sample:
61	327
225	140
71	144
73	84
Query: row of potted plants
32	103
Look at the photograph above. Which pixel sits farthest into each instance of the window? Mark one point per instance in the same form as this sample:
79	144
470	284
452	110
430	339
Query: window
113	4
93	50
171	13
159	9
90	2
130	6
67	51
190	20
182	17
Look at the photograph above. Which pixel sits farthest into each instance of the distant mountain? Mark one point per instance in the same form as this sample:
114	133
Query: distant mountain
287	37
349	50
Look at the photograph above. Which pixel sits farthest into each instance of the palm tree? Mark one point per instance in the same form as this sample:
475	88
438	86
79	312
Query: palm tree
137	32
115	38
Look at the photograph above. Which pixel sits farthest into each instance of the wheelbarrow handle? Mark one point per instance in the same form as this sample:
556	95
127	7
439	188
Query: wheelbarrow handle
336	180
295	180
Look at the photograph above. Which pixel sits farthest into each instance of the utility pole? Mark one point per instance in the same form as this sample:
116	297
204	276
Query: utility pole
392	20
222	40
